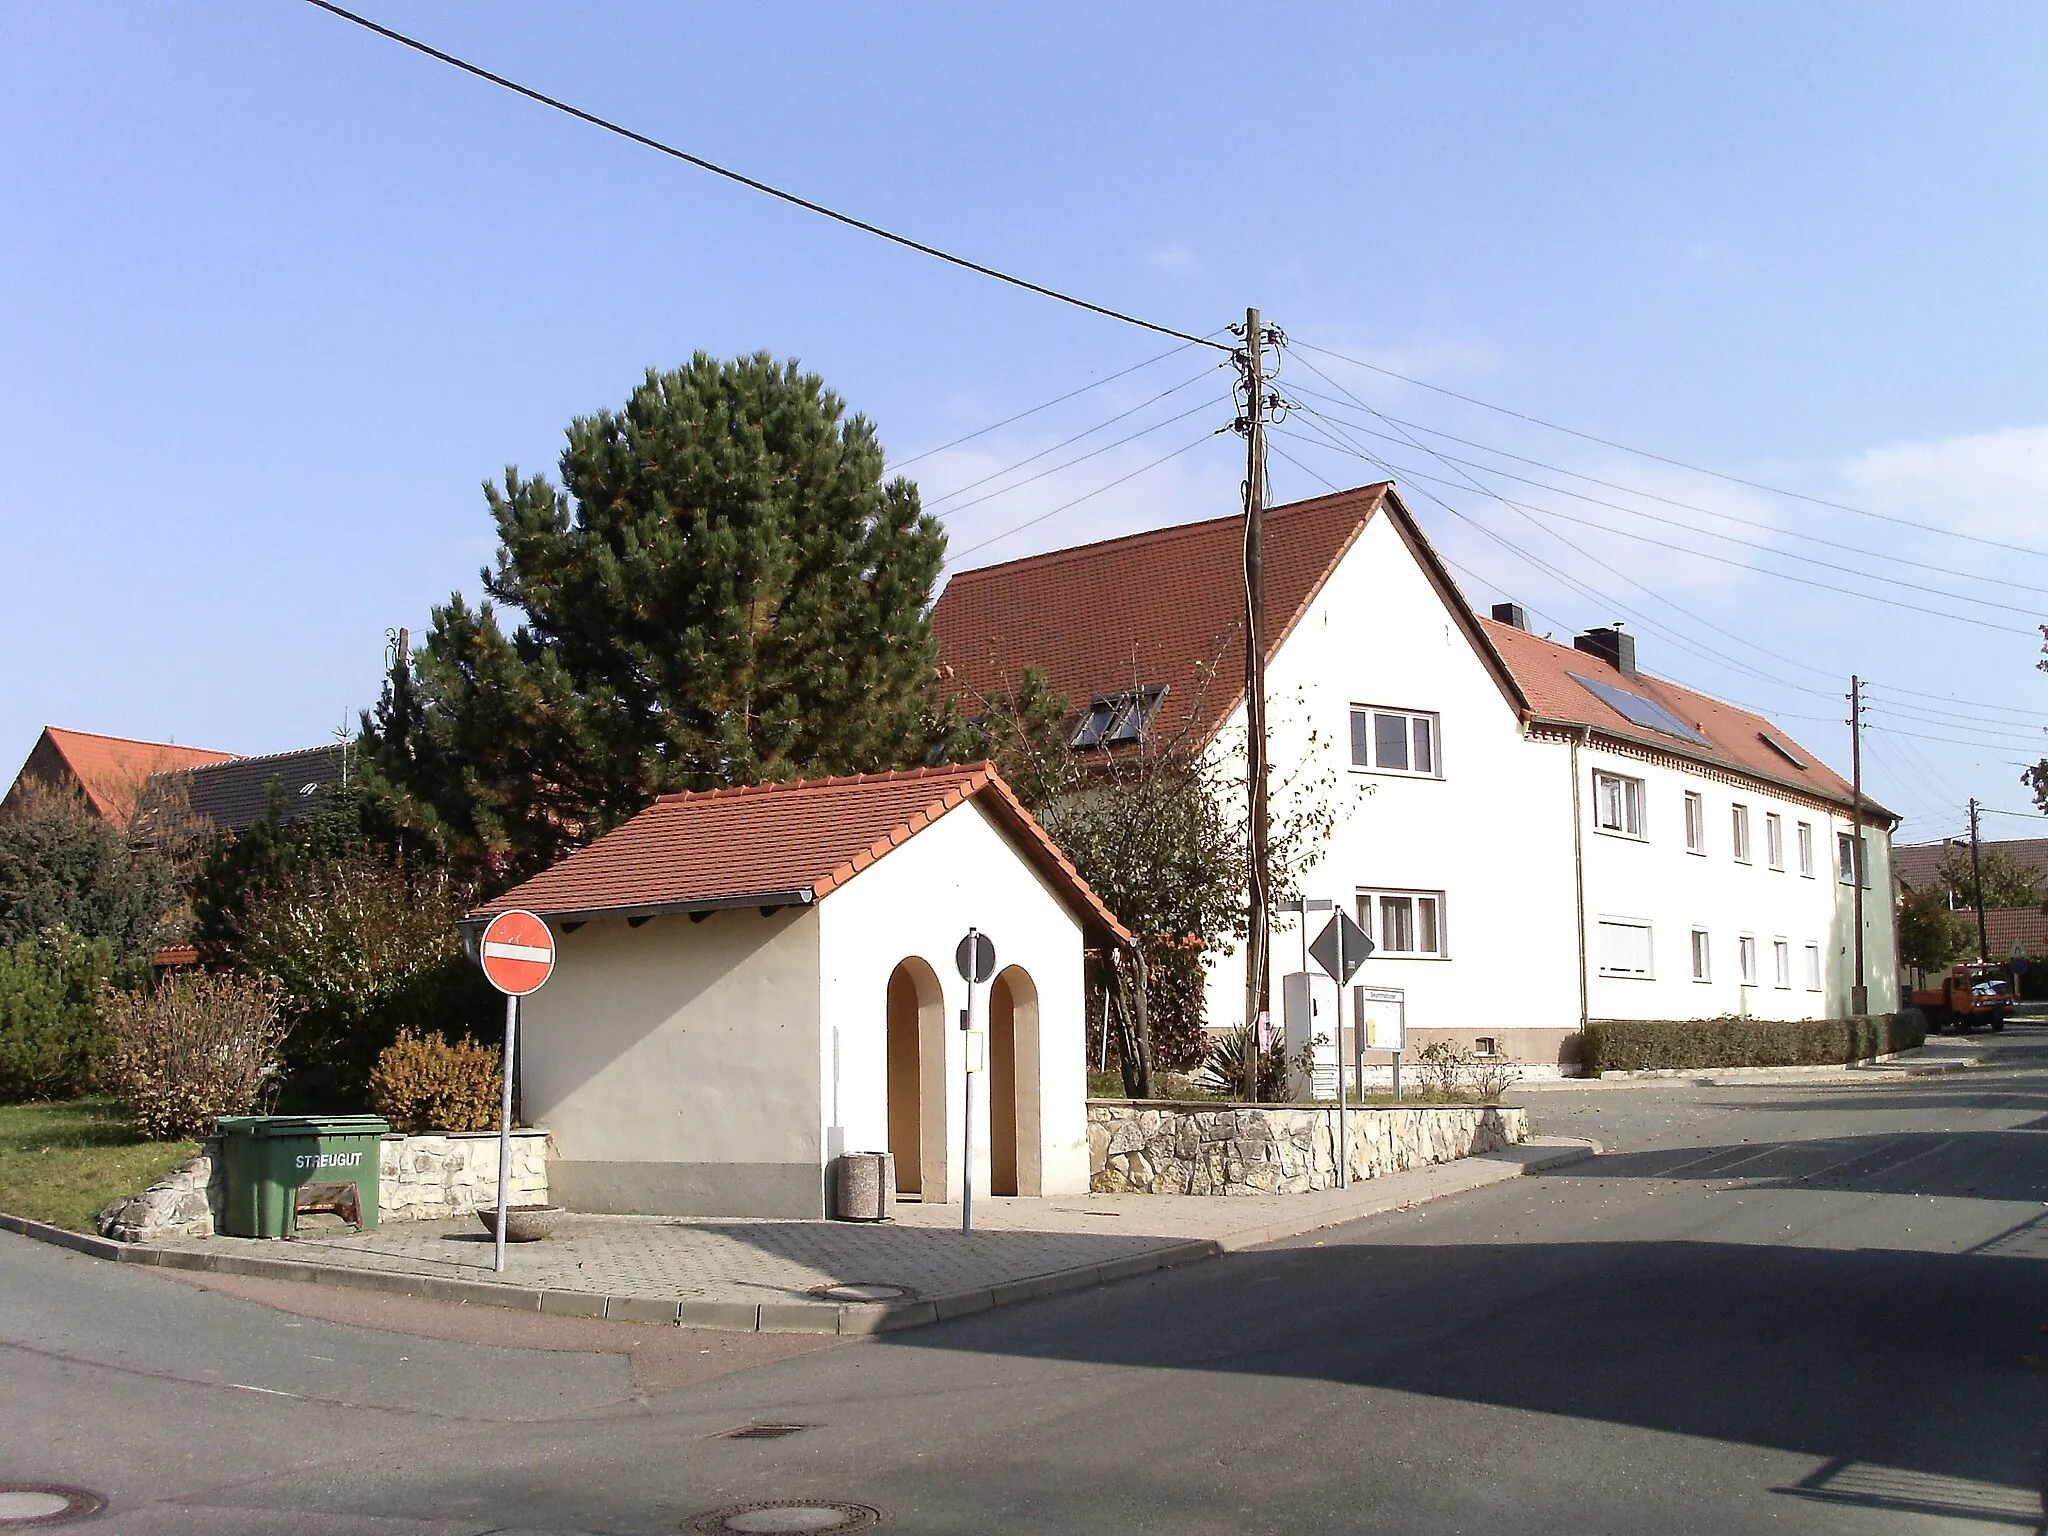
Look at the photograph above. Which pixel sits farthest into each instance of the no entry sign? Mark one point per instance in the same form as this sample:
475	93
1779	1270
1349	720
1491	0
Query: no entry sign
518	953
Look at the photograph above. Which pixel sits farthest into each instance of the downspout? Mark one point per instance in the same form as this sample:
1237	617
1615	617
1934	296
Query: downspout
1579	876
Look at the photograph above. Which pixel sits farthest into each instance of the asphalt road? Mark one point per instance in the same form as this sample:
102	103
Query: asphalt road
1785	1309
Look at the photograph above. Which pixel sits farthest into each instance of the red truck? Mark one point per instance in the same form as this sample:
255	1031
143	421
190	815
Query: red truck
1972	993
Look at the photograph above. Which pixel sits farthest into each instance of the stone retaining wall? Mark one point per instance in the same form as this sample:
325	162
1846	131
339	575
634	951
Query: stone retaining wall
1262	1149
419	1178
423	1178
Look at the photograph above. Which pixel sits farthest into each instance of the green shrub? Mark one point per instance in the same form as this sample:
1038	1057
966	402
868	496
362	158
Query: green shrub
1640	1045
1223	1069
200	1046
423	1083
52	1043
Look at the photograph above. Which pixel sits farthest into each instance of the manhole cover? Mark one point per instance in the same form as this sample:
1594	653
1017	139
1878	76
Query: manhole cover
23	1505
794	1517
863	1290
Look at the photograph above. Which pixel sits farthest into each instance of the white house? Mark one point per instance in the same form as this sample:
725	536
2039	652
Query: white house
750	982
1533	833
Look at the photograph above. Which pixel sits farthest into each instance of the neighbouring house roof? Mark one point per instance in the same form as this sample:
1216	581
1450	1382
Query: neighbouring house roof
108	770
1919	864
785	844
235	795
1164	608
2007	926
1734	738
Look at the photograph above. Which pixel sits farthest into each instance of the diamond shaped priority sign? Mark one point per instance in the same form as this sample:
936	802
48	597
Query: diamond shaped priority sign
1341	947
518	953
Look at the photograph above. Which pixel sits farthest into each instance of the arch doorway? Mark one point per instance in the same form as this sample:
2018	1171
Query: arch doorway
917	1080
1015	1164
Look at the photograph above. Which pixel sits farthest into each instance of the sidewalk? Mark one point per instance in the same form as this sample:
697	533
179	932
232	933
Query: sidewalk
824	1276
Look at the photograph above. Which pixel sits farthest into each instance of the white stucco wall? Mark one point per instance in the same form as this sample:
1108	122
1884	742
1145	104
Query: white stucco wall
1656	879
1489	833
677	1064
1494	835
920	900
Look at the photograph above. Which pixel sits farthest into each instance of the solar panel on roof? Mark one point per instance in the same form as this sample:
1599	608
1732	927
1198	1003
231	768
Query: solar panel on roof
1638	710
1781	749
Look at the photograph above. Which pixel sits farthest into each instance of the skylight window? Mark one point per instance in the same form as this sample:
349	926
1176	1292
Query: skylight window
1118	719
1781	749
1638	710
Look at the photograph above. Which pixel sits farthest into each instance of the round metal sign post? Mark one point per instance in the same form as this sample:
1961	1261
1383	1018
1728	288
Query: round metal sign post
976	960
518	954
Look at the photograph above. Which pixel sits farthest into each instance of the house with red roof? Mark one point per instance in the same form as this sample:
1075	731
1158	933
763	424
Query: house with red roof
107	771
751	982
1532	831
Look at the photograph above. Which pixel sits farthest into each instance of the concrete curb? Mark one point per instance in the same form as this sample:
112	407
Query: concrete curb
849	1319
1884	1070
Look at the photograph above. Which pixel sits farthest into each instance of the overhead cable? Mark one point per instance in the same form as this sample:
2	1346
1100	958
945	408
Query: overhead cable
755	184
1645	453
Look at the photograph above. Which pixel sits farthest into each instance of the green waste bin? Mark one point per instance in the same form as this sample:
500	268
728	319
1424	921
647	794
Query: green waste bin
269	1160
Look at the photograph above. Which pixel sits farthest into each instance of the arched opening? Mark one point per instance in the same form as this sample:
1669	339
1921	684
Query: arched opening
1015	1163
917	1080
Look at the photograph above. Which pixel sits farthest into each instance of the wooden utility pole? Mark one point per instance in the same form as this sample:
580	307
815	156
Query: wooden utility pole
1251	364
1977	880
1859	994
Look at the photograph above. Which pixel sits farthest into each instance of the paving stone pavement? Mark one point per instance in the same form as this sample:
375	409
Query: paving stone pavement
923	1252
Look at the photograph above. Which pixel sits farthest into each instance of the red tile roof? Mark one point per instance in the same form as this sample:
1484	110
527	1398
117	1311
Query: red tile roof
1165	607
784	844
110	770
2007	926
1735	737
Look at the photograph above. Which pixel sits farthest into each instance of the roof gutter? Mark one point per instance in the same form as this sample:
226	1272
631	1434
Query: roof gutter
804	897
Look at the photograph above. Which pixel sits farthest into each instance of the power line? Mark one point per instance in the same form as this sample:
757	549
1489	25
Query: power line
1033	522
754	184
1696	648
1700	554
1671	501
1079	458
1069	442
1645	453
1010	421
1762	570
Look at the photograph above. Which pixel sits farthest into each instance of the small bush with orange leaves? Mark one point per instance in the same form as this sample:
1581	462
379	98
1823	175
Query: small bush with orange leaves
423	1082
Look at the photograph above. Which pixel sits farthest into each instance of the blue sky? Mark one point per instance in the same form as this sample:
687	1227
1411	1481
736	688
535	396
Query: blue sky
280	295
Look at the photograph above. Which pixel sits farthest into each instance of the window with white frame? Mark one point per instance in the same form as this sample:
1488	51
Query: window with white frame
1774	839
1702	956
1813	967
1617	804
1846	862
1695	823
1739	815
1745	952
1806	849
1781	963
1405	925
1625	947
1395	741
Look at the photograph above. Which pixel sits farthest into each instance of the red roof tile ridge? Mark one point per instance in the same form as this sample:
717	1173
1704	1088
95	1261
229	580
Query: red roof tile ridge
136	741
1370	493
832	781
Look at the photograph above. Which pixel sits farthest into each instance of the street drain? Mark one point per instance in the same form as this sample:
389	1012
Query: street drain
863	1290
759	1431
793	1517
24	1506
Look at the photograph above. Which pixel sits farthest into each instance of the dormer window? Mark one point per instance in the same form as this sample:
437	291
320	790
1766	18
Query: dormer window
1118	719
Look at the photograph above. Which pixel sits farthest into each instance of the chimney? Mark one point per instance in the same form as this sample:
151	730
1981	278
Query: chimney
1612	645
1510	613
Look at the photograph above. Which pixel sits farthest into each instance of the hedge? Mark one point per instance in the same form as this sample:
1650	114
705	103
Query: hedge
1638	1045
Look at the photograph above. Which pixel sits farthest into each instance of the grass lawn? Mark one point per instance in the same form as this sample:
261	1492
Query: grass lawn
63	1162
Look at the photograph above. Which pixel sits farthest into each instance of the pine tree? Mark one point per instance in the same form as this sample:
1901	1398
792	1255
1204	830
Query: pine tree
724	590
